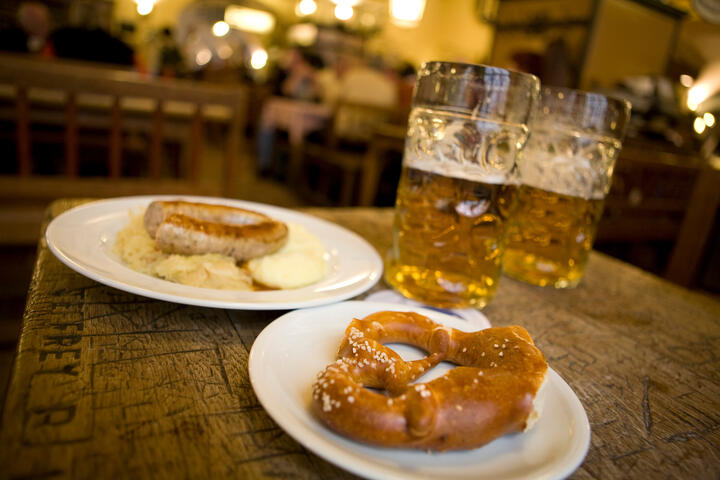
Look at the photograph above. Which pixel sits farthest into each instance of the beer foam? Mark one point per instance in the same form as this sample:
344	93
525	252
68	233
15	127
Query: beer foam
564	176
461	171
458	145
569	163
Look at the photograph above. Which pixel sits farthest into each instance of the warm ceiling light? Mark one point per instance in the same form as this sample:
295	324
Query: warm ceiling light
303	34
250	19
220	29
343	12
699	125
686	80
305	8
407	13
144	7
258	59
709	119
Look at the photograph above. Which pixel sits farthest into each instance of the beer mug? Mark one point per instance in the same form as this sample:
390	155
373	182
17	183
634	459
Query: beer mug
565	174
466	127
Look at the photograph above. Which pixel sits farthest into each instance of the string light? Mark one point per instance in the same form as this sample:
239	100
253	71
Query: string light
258	59
344	12
696	95
699	125
144	7
303	34
305	8
220	29
709	119
250	19
407	13
203	56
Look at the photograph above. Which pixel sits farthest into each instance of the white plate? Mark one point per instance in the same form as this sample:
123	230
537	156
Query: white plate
289	352
83	237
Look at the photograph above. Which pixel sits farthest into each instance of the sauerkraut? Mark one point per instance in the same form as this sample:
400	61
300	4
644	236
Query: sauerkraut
137	249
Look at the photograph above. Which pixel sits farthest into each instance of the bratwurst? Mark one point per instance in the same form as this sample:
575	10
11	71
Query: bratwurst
196	228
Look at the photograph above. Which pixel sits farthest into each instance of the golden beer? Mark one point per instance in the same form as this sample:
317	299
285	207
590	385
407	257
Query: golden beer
550	237
565	174
467	126
448	239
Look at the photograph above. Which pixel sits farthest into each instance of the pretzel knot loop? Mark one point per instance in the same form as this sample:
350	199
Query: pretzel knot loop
492	391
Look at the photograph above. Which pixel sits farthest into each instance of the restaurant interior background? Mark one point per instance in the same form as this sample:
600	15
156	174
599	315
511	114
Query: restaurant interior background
303	103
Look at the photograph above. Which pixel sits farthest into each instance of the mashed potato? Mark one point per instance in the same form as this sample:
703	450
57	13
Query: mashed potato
137	249
300	262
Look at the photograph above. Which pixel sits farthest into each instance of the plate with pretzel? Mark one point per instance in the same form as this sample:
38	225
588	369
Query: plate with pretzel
391	391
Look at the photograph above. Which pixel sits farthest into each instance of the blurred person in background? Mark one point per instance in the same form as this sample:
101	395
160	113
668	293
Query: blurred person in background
88	38
170	61
328	80
365	85
30	35
299	80
405	86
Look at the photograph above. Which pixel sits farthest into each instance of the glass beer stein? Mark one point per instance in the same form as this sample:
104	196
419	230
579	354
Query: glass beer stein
565	174
467	125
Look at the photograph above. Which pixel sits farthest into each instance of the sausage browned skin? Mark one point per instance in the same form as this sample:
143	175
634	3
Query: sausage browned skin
196	228
159	210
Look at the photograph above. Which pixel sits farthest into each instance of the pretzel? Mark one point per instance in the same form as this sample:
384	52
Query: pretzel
490	393
196	228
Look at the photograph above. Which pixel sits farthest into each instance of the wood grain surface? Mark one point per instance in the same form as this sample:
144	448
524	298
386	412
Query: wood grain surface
111	385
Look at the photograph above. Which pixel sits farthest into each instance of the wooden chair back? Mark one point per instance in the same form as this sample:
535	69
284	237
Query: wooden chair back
662	201
339	170
356	123
693	241
649	196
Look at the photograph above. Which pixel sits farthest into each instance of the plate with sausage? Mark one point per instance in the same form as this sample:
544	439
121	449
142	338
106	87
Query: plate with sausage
214	252
449	401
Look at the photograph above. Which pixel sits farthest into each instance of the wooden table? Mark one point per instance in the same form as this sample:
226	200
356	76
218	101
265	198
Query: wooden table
108	384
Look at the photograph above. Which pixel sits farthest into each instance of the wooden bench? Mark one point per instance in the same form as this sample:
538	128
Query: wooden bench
76	105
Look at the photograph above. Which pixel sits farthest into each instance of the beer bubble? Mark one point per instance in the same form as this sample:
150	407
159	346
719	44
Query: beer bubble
500	153
486	221
472	208
455	287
